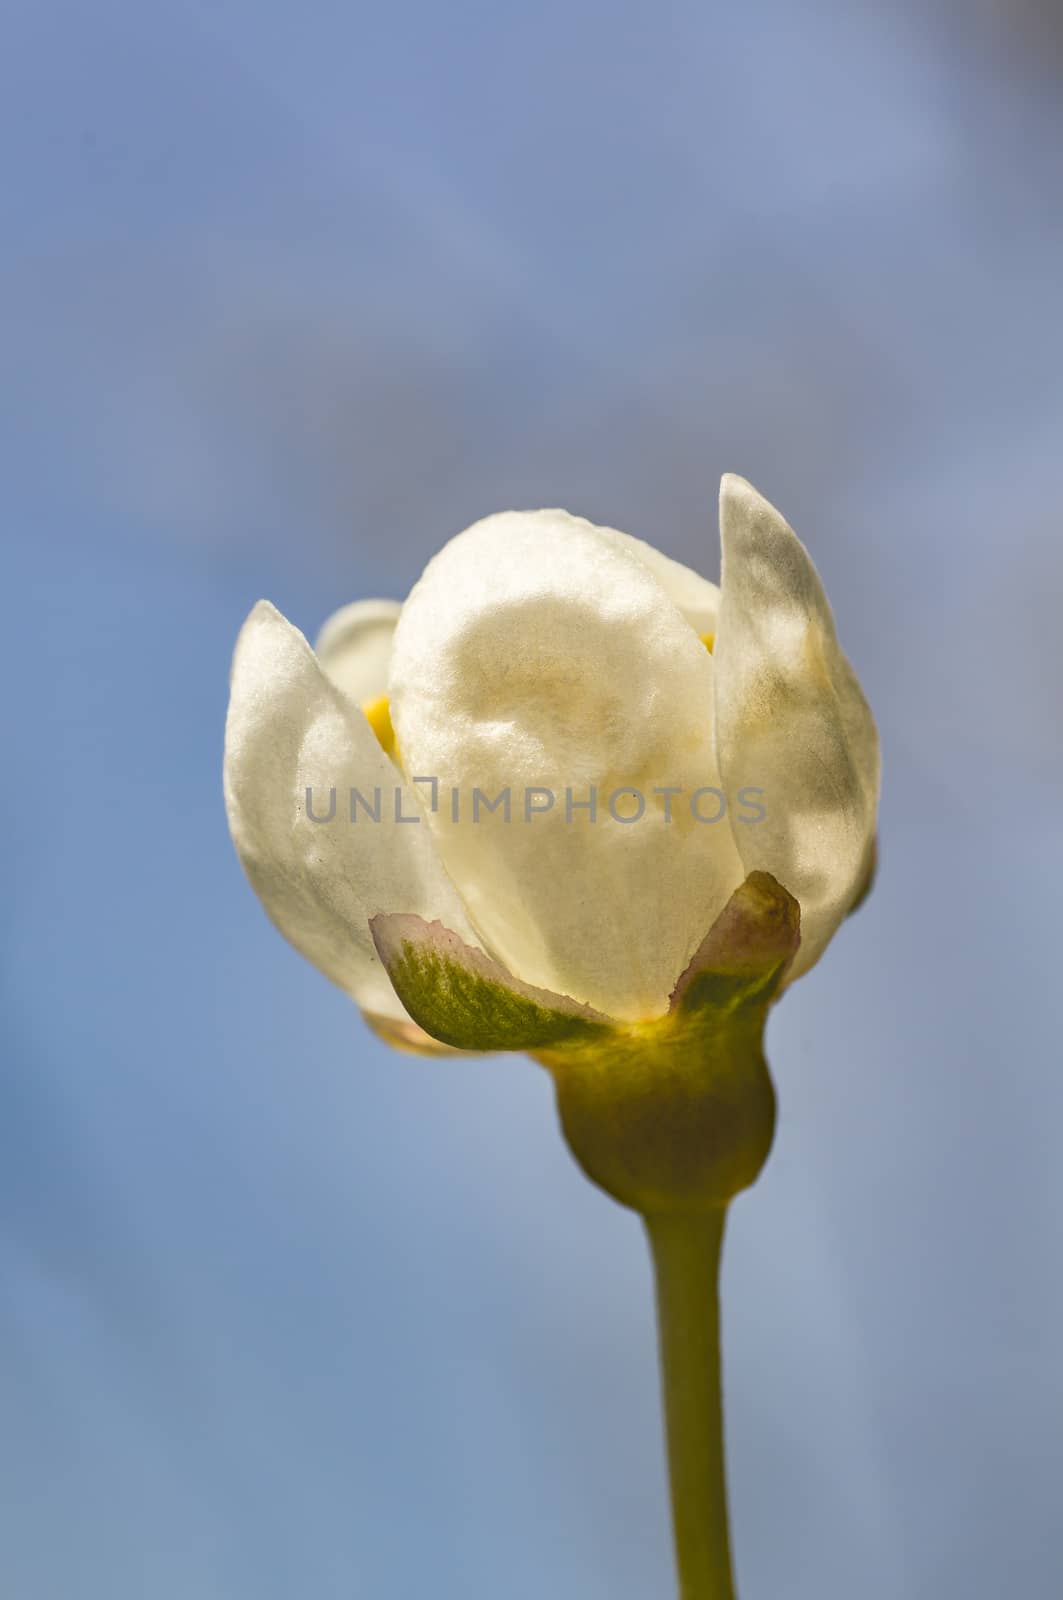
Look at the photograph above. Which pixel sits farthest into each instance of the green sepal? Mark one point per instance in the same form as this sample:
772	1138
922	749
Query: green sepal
466	1000
744	957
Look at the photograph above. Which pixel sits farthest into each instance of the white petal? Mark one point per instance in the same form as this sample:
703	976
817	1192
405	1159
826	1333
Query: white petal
791	719
538	653
290	728
696	597
354	647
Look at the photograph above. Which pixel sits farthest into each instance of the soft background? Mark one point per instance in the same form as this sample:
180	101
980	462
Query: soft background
290	295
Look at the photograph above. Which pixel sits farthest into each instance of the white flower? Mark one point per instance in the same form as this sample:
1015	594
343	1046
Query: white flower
542	656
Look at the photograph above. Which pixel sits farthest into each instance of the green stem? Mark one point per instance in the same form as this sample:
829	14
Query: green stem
686	1256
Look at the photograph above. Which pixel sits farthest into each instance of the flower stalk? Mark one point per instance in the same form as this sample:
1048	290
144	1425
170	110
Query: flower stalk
686	1249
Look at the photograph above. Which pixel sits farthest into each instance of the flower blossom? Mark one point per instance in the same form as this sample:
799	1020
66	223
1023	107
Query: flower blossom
561	780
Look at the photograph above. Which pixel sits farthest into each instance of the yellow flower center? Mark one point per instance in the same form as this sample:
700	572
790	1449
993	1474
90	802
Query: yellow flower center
708	640
378	715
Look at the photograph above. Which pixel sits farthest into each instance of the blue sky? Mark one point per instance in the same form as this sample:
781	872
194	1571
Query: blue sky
291	297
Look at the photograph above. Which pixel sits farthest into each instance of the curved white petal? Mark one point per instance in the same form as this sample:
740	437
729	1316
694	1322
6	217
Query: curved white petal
791	719
354	647
696	597
537	653
290	728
